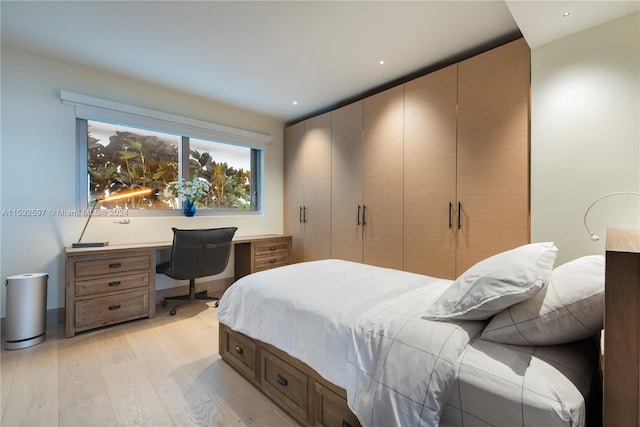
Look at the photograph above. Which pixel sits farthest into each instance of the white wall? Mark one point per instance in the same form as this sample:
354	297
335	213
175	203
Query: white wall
585	142
585	135
39	165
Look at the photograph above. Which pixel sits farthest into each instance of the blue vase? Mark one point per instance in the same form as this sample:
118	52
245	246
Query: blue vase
189	208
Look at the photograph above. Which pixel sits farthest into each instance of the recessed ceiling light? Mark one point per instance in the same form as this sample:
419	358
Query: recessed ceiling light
381	62
295	102
566	14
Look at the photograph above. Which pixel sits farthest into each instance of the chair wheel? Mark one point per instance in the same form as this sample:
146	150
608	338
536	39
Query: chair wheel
164	303
172	312
215	304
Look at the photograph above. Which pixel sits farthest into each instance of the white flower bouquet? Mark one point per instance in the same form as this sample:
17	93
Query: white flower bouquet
188	190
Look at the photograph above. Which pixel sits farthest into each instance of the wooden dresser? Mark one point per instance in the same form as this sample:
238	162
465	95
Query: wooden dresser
622	329
117	283
106	286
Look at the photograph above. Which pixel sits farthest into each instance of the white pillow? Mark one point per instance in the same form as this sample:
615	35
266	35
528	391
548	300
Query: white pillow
570	308
496	283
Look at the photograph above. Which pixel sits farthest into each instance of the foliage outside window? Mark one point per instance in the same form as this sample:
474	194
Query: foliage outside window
122	158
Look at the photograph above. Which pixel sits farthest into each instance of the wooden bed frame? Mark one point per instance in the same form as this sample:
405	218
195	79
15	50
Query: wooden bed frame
293	385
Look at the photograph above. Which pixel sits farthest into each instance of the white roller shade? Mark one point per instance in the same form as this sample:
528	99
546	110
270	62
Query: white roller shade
91	108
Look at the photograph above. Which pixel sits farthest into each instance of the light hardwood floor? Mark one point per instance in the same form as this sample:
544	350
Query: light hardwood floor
164	371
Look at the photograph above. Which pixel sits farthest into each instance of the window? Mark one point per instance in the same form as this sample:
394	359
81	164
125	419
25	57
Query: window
123	158
122	147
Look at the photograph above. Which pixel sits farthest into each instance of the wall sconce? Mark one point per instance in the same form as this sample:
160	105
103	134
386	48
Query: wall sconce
594	237
119	196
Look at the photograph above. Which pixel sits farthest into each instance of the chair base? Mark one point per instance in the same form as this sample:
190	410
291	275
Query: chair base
192	296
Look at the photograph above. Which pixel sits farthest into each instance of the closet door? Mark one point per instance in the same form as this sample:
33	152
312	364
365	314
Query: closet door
346	182
316	213
293	188
430	173
383	178
493	152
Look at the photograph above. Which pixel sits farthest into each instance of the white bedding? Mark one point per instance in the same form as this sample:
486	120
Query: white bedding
308	309
401	367
509	385
360	327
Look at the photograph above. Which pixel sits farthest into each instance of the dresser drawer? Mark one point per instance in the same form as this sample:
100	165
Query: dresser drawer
271	248
271	261
242	353
110	309
111	283
112	265
331	409
284	383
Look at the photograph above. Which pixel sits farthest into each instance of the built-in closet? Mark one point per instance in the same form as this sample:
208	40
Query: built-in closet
347	182
307	188
430	176
430	205
493	153
383	181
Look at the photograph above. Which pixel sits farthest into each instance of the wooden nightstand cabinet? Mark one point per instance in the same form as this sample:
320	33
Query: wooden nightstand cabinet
104	287
622	329
257	254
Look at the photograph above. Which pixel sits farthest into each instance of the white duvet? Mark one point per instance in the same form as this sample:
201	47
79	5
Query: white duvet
308	310
360	327
401	367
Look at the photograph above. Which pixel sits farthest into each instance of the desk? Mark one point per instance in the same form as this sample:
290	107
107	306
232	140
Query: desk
116	283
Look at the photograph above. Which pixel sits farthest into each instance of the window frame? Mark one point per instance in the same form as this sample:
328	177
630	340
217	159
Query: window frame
95	109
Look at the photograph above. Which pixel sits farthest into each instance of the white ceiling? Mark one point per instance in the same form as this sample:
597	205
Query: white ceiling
264	55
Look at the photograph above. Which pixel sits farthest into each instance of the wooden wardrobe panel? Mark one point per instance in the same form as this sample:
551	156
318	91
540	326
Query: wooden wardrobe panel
493	152
293	187
317	188
383	178
346	182
430	173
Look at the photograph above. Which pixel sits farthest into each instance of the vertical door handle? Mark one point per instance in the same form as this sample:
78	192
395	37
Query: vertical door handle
364	213
358	216
459	215
304	214
300	215
450	208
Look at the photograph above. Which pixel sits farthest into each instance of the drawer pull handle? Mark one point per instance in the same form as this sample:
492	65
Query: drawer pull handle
346	424
282	380
115	283
115	265
272	248
239	349
271	261
114	307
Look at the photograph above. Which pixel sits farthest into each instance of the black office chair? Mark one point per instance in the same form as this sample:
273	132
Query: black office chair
197	253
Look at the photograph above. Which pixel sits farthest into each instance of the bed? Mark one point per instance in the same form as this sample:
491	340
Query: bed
342	343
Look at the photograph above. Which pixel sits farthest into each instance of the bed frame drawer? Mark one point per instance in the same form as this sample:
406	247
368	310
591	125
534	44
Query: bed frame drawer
290	383
284	384
331	409
240	352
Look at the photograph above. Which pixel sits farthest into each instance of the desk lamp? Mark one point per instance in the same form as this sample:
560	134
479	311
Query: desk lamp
119	196
594	237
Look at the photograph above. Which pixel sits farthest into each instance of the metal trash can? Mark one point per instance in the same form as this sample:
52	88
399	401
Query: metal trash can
26	315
